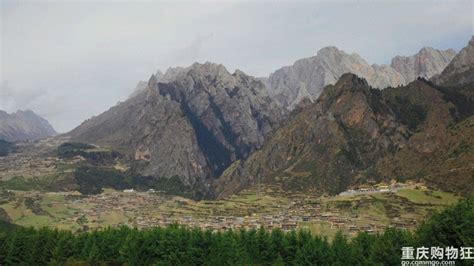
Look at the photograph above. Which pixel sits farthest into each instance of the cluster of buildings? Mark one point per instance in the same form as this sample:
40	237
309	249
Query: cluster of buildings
20	165
379	188
142	210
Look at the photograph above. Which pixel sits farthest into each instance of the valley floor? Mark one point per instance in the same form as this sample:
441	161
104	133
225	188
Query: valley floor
367	209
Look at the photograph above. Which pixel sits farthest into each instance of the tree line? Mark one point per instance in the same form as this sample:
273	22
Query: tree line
177	245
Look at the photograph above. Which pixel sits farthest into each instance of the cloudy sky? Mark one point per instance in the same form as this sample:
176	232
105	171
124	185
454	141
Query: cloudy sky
71	60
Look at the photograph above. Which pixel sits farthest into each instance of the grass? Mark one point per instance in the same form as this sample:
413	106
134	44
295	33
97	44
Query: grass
15	213
113	218
378	209
428	197
319	228
29	219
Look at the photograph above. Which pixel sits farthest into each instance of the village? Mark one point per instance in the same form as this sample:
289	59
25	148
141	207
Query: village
365	208
150	209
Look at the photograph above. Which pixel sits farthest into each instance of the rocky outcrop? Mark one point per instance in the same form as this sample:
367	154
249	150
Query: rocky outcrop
307	77
461	69
166	77
193	126
24	125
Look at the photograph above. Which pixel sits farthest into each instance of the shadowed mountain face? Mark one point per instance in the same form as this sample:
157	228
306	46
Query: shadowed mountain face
356	134
193	126
24	125
307	77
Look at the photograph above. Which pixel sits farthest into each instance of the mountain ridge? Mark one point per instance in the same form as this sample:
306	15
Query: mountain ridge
307	76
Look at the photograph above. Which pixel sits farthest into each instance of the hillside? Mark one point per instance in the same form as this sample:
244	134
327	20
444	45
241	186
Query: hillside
461	68
354	134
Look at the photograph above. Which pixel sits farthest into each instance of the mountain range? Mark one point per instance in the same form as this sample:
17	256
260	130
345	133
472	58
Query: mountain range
307	77
354	134
324	124
24	125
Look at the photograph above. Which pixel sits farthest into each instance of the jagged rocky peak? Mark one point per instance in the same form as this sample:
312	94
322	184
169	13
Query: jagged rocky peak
461	69
426	63
170	74
153	81
306	77
234	108
192	126
24	125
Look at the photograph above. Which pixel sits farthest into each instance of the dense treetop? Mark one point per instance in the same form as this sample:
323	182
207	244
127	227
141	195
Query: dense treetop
177	245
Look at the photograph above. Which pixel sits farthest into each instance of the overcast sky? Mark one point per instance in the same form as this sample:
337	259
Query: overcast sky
71	60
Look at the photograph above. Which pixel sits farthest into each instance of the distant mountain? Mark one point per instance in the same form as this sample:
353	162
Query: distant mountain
354	134
192	126
24	125
307	77
460	70
426	63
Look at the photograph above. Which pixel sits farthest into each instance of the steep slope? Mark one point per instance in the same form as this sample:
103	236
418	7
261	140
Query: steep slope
232	114
460	70
440	150
152	130
193	126
356	134
307	77
24	125
319	147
